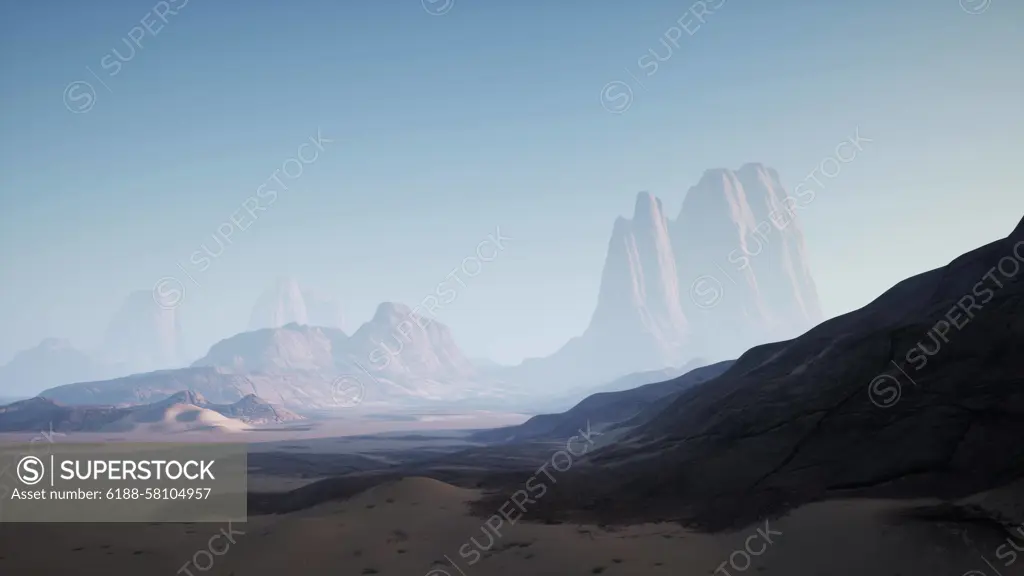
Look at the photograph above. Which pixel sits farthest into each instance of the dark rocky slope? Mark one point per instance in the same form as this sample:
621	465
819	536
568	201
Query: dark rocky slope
819	417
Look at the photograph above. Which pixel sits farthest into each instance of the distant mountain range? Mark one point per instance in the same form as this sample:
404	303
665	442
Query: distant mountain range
145	335
142	336
730	272
54	361
392	358
393	355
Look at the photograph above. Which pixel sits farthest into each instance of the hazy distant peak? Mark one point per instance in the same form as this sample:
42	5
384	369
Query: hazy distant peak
638	314
288	302
251	400
716	178
280	305
647	207
143	335
292	347
715	175
714	196
286	281
55	344
741	250
391	312
51	362
757	168
143	300
716	181
186	397
621	226
35	403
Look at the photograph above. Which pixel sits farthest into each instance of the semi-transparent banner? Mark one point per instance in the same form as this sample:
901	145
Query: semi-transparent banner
123	482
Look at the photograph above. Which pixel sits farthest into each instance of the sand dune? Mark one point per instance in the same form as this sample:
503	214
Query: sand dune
175	419
409	527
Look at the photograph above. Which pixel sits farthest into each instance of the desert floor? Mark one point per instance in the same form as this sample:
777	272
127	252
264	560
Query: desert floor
417	526
329	429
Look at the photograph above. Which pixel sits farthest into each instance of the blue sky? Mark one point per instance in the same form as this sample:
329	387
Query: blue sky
445	127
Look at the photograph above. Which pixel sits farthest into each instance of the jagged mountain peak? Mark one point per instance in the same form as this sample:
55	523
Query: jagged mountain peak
55	344
717	194
287	302
280	305
51	362
714	176
251	400
647	208
741	253
185	397
638	311
675	290
758	168
622	225
292	347
143	334
391	313
398	341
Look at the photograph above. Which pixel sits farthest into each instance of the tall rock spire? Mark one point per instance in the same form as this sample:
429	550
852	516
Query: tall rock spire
742	261
288	303
282	304
728	274
637	324
143	335
638	301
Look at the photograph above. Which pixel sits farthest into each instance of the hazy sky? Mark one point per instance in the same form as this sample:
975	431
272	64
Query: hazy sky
447	126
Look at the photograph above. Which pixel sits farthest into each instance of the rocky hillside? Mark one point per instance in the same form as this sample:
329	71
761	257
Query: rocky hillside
920	393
